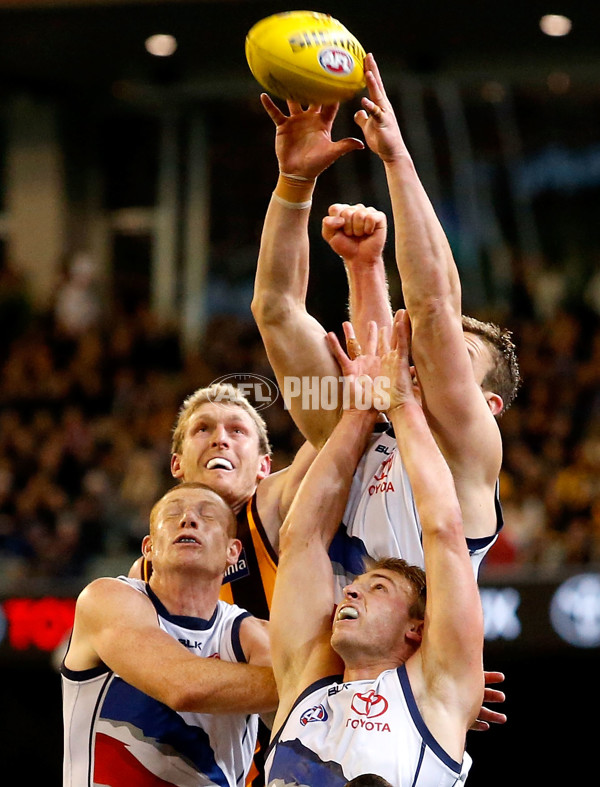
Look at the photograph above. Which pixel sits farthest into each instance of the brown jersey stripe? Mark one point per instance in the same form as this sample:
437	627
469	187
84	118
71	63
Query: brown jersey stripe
249	591
265	554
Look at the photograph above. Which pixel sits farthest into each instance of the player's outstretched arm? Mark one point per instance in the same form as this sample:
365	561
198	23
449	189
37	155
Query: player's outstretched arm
449	673
458	411
303	600
294	341
423	254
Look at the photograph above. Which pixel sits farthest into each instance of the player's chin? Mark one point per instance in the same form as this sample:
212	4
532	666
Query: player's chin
341	635
217	476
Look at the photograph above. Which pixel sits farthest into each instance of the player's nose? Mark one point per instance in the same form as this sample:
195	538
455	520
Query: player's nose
189	518
352	591
219	435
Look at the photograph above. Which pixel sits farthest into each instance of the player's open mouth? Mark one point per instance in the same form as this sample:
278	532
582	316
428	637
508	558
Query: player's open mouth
187	540
219	463
346	613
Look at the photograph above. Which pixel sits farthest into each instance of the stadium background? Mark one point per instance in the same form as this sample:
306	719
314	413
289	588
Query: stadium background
132	191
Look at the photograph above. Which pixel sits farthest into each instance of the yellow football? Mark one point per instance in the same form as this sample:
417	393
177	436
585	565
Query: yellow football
305	56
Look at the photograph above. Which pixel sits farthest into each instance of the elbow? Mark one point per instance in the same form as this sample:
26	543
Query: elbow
294	537
271	308
444	526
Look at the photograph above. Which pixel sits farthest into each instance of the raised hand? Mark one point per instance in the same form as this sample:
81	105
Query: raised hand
377	119
355	232
359	367
303	142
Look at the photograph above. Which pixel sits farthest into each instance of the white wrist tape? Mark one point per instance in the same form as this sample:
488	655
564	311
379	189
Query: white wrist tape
296	177
293	205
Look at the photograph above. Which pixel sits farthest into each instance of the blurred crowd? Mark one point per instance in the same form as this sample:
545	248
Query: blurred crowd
88	400
87	405
550	482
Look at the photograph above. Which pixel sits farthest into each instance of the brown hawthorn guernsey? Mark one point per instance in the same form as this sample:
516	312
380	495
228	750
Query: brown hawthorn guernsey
250	582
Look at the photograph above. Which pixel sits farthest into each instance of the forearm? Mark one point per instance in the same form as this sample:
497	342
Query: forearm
206	685
368	297
321	499
425	263
294	341
116	625
240	688
283	262
300	625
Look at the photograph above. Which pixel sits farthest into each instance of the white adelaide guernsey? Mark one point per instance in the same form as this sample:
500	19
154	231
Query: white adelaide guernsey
117	736
337	731
381	520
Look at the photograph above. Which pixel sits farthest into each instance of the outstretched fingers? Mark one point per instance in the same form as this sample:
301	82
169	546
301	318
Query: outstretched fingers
352	344
272	109
486	716
329	112
401	333
374	80
338	351
383	341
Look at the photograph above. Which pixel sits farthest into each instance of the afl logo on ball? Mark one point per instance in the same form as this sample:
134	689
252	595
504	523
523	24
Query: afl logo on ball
336	61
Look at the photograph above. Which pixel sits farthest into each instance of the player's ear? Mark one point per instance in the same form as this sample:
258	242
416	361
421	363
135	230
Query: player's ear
415	632
264	467
494	402
176	469
234	551
147	547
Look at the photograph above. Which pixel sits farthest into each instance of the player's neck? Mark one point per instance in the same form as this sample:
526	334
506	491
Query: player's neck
239	501
187	594
369	669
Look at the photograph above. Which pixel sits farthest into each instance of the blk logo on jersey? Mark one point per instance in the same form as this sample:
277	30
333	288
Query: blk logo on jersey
316	713
188	643
239	570
369	704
